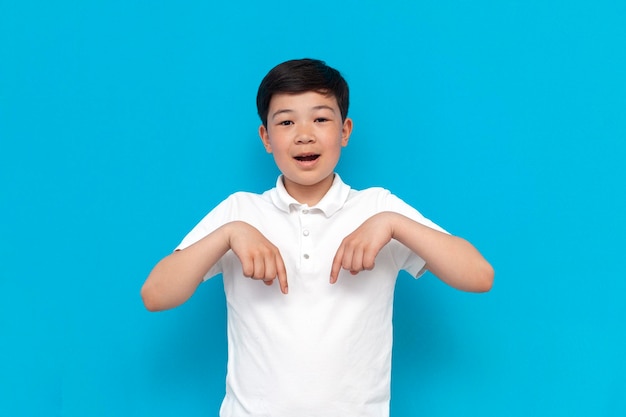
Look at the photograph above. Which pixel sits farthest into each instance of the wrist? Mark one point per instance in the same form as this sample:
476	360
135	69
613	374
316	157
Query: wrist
227	233
398	225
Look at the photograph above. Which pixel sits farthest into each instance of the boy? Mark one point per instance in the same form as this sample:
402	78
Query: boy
318	343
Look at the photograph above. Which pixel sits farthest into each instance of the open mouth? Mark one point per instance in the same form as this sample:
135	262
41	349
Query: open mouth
307	158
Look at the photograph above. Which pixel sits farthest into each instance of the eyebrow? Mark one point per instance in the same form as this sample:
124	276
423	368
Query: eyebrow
320	107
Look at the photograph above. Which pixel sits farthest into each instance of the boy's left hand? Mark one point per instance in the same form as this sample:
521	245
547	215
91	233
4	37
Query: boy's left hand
358	250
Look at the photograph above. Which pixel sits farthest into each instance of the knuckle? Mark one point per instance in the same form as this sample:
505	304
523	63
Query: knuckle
247	267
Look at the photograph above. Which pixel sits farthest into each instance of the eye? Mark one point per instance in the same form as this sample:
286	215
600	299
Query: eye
285	123
321	120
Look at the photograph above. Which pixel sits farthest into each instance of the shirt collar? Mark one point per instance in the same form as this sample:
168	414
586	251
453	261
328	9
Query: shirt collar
334	199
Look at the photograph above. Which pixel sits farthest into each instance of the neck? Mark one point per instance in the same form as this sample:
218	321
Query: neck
309	194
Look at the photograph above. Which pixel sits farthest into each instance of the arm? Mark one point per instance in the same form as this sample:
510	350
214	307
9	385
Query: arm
175	278
452	259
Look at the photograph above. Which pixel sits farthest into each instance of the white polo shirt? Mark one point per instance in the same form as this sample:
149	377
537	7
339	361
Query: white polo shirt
322	350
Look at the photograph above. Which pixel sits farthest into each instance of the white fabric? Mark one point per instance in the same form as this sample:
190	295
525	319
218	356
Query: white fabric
321	350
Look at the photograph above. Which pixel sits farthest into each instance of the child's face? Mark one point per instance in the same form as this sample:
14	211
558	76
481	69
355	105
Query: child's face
305	134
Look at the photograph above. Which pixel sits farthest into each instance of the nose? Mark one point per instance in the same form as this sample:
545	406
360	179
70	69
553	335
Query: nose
305	139
305	135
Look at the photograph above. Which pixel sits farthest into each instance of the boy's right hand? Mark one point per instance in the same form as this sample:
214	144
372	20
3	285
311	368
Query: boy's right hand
259	258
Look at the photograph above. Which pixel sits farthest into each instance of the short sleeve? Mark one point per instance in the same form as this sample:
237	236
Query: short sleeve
220	215
408	260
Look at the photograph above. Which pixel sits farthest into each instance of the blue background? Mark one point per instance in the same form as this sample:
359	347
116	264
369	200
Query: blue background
123	122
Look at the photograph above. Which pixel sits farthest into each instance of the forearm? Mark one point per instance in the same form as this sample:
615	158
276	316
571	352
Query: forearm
452	259
175	278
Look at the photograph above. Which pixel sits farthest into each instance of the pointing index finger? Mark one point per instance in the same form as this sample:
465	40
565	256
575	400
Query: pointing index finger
281	272
336	267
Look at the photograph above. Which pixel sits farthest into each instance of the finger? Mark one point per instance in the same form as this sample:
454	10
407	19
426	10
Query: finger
369	258
259	267
348	255
356	264
336	266
247	267
271	271
281	272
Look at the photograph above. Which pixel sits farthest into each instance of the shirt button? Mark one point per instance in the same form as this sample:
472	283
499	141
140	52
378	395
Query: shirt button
306	256
305	232
305	211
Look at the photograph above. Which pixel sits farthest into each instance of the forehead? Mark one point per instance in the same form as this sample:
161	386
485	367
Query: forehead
309	100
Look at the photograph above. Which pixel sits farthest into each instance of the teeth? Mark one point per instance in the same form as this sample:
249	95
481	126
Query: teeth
307	157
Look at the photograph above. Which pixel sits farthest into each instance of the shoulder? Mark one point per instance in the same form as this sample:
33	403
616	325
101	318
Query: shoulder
372	192
373	195
234	203
381	199
244	200
370	201
246	196
240	205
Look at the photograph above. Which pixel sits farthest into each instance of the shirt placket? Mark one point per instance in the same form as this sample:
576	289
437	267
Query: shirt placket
307	255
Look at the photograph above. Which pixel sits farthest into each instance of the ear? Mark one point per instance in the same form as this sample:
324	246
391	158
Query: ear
346	131
265	138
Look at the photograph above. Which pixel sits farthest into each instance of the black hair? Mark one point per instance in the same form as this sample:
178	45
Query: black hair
300	76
